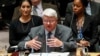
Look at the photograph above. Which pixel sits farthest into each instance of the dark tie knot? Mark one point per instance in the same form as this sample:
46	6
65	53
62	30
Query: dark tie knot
49	34
35	11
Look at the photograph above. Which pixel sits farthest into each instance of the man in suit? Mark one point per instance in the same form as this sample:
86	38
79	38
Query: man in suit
59	40
40	6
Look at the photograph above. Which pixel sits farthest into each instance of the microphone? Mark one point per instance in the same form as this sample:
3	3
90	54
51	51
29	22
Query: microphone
39	35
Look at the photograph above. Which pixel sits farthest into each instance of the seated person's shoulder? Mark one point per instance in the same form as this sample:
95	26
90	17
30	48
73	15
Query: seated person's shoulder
15	21
63	28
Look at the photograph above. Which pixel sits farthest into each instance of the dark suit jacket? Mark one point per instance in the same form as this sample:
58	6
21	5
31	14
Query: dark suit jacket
63	33
95	8
44	5
89	29
17	33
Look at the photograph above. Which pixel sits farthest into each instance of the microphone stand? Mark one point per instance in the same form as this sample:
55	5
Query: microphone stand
46	47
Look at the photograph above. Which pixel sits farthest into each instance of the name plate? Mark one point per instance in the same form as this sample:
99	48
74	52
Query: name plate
50	54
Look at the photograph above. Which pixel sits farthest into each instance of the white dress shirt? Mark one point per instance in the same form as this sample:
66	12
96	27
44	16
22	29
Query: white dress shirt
39	9
53	33
88	9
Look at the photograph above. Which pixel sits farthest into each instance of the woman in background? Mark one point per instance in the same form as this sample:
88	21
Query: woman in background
20	27
83	26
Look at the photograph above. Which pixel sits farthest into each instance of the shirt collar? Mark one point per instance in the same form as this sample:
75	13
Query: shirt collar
39	6
53	32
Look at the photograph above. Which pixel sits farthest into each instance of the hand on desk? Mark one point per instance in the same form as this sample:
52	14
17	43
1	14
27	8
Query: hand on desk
34	43
84	43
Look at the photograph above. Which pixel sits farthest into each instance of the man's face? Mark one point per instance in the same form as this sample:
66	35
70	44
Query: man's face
49	23
35	2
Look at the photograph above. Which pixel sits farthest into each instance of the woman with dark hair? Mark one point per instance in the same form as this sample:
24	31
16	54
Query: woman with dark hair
83	26
20	27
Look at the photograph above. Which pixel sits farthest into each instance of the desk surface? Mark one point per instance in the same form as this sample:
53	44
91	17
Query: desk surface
91	54
2	53
94	53
9	54
79	52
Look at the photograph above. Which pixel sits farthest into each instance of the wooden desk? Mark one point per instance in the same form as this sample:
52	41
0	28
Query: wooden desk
9	54
90	53
94	53
2	53
79	53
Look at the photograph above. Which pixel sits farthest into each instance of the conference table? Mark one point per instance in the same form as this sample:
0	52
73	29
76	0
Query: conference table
78	52
94	53
90	54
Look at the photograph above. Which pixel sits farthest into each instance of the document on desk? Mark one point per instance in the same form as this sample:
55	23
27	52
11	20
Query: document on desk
50	54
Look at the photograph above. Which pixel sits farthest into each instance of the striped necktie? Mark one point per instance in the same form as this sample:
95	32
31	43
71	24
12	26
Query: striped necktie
48	36
34	10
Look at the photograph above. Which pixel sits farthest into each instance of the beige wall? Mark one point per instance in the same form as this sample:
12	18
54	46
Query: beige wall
97	1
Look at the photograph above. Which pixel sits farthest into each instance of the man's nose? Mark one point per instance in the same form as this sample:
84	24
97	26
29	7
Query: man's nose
48	23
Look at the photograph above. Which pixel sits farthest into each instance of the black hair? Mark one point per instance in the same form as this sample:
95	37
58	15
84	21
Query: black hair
84	2
25	0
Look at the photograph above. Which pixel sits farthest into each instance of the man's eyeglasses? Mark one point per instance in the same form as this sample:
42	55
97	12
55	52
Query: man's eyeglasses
50	21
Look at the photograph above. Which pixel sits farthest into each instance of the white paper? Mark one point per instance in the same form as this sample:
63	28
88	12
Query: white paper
34	54
50	54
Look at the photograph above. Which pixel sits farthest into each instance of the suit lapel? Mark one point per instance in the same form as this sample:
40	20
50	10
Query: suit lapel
85	25
41	31
57	32
42	39
74	27
86	22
